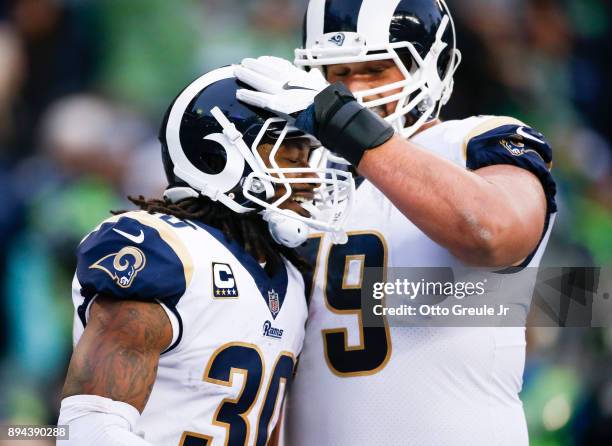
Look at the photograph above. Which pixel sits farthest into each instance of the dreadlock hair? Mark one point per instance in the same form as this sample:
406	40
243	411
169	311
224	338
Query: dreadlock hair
248	230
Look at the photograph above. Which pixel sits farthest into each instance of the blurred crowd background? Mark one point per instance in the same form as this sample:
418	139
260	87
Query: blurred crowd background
84	84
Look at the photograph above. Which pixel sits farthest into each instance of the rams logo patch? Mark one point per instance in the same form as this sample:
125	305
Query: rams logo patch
514	146
224	283
122	266
338	39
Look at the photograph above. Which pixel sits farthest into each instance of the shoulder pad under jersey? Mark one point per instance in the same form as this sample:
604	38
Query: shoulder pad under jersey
135	256
504	140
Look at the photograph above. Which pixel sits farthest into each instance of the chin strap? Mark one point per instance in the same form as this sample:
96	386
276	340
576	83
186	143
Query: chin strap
285	230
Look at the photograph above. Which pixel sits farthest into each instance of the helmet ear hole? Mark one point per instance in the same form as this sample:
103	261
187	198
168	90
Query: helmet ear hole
443	62
407	60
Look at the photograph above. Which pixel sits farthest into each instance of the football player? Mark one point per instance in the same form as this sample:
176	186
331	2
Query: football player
190	312
476	191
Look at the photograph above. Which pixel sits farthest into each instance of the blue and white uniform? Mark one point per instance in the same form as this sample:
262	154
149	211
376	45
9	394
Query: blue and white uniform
418	385
236	331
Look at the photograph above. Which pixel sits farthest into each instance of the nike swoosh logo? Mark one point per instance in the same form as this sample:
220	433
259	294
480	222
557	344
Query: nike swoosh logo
134	238
292	87
521	131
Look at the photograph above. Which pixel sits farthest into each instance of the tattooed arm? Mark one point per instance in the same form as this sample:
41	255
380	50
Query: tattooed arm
113	369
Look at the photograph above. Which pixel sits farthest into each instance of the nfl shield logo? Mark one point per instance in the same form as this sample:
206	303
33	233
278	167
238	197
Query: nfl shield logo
273	302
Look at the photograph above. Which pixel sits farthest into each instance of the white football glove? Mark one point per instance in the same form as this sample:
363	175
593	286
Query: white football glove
281	87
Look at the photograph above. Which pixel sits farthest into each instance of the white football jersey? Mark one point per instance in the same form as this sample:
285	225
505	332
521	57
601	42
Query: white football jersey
411	385
236	330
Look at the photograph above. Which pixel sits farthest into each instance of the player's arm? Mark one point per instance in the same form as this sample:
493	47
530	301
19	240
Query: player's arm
493	216
112	371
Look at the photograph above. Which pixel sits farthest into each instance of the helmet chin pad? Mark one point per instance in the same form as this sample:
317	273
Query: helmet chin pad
285	230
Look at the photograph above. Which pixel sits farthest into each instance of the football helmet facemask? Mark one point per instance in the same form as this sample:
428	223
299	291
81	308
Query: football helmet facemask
419	32
209	147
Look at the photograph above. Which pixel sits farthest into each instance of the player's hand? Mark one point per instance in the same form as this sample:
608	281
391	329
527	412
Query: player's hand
328	112
281	87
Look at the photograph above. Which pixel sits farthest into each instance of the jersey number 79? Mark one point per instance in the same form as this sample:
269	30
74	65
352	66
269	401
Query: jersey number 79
365	250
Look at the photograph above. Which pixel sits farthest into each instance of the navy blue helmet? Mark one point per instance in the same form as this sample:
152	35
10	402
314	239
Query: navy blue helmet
210	144
193	142
418	35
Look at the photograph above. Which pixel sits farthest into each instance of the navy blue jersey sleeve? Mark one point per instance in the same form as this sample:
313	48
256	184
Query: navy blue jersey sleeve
519	146
130	258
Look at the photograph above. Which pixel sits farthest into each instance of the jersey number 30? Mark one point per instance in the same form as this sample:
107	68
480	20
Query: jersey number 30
247	360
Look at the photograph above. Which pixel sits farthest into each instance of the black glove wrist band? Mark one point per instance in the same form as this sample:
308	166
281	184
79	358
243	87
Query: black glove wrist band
346	127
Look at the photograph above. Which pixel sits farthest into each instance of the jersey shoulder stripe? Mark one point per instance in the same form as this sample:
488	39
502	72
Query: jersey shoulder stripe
135	256
483	125
504	140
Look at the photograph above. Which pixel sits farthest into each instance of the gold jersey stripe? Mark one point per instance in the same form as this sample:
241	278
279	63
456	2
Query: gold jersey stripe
166	233
486	126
